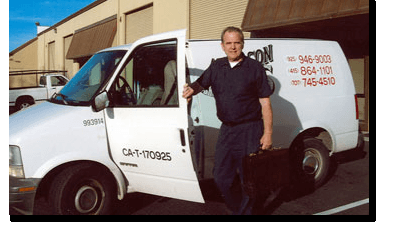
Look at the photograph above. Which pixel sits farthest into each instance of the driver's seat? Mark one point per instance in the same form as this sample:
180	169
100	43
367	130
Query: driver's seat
150	95
170	96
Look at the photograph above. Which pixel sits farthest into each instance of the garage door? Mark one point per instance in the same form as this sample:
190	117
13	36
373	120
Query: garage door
209	17
139	23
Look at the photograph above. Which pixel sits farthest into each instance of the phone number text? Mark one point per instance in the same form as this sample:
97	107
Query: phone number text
311	70
310	59
314	82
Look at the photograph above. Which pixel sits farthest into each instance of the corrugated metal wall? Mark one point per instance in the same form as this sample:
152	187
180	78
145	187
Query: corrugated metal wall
209	17
139	24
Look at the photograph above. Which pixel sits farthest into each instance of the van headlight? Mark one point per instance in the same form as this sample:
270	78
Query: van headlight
16	169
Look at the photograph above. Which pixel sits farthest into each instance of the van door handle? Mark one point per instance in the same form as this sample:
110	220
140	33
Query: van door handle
182	134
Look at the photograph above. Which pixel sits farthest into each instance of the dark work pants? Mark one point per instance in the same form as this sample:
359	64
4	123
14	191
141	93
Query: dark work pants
234	142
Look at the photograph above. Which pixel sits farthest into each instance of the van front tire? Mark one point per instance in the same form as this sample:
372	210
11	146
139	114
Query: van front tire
311	163
82	190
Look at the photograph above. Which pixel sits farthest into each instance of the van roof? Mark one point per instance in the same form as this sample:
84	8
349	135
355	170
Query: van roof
271	39
120	47
128	46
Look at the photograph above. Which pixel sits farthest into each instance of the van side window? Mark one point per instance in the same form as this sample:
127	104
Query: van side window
149	78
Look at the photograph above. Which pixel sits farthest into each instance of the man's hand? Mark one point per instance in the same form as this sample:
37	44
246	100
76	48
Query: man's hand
266	141
187	92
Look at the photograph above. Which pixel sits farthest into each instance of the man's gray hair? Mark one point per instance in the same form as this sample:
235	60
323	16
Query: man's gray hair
232	29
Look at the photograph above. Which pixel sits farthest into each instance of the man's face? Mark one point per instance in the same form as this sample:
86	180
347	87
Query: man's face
232	46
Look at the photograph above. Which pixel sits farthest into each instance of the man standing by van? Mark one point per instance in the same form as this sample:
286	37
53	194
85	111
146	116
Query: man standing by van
241	91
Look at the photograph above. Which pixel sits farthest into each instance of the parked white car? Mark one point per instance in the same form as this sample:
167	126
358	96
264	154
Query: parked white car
26	96
121	124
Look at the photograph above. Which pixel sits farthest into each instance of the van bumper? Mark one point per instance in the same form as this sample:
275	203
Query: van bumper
22	194
346	141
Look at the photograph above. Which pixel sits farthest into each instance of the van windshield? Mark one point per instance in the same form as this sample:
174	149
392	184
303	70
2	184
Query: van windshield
89	79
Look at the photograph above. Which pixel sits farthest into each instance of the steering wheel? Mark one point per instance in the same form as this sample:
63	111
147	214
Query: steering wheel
126	97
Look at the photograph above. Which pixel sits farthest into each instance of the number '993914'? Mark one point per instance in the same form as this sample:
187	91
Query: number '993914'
93	122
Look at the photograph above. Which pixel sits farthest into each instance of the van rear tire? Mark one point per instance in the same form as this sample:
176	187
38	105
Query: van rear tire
311	163
82	190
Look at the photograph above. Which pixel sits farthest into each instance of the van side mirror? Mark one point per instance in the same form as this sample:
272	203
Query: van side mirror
100	102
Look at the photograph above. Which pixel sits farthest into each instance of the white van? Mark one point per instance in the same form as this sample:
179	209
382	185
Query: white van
121	124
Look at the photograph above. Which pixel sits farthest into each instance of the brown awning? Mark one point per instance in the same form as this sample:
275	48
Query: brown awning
264	14
90	39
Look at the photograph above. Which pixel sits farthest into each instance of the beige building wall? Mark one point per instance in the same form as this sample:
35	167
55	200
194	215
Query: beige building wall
100	12
167	15
197	16
23	59
171	15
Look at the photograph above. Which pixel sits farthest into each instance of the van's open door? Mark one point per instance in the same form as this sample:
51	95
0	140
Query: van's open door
147	120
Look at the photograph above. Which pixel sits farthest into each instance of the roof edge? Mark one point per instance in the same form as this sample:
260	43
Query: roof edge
87	8
22	46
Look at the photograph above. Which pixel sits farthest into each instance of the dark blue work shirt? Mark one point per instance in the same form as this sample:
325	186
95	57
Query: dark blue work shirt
236	90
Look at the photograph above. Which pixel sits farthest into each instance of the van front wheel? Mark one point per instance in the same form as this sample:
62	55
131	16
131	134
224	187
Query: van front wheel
311	162
82	190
